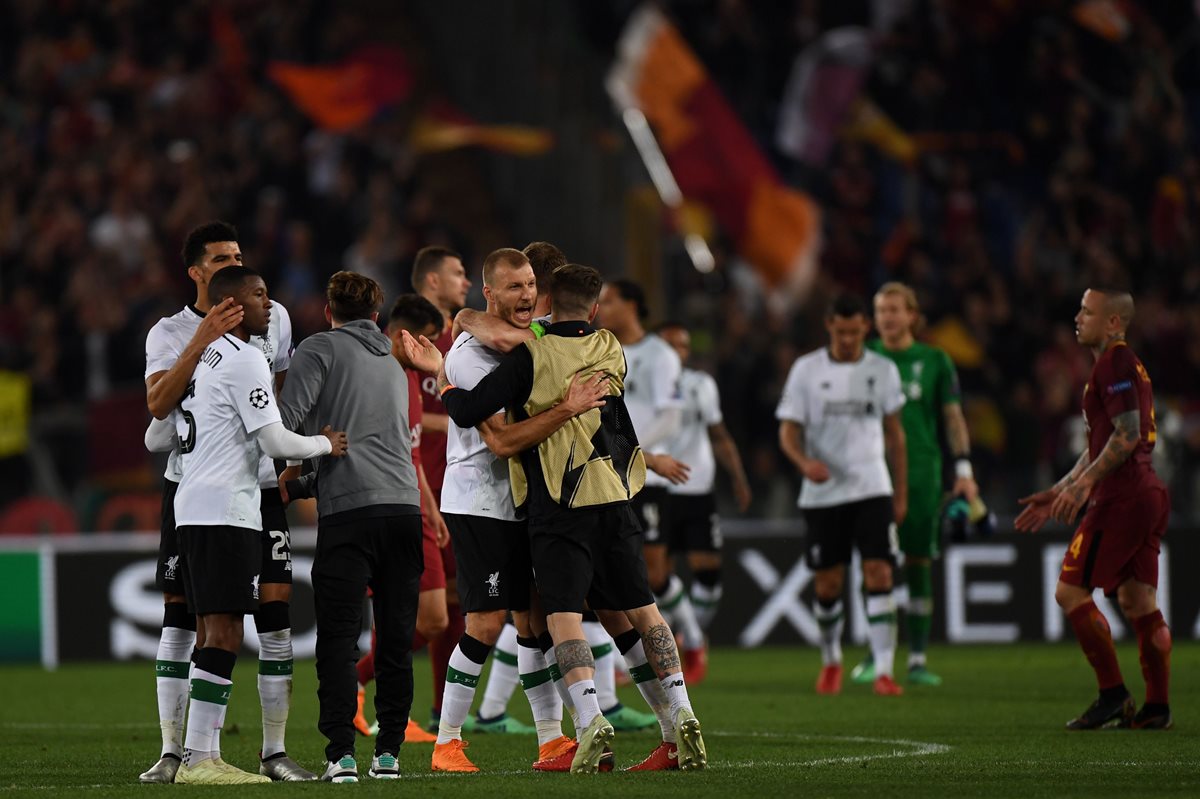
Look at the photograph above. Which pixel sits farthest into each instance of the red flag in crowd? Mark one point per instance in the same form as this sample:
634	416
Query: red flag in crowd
342	96
710	153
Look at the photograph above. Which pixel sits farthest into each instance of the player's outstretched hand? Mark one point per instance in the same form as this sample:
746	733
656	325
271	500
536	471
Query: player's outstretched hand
221	318
421	352
584	394
815	471
337	439
675	471
1070	500
1035	511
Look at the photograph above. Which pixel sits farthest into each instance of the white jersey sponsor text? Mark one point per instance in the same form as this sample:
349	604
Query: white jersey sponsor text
841	407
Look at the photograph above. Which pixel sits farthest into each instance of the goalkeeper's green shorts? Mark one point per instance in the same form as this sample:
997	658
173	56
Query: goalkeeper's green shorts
921	532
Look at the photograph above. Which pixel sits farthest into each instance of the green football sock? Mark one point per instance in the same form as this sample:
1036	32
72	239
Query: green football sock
920	605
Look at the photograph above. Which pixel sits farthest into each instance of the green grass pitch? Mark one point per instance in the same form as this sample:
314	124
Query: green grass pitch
995	729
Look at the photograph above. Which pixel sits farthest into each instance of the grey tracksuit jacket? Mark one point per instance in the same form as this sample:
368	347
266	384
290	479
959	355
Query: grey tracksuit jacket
347	378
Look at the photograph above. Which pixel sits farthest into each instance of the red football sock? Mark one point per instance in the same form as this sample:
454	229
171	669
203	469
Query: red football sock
440	650
366	664
1154	651
1095	639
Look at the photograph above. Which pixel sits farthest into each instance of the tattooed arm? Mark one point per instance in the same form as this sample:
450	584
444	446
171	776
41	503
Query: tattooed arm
959	441
1118	448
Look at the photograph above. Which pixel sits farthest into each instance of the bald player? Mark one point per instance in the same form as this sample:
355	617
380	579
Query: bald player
1125	508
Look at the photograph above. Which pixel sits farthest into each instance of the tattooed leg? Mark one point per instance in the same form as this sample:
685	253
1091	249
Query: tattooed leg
660	649
575	654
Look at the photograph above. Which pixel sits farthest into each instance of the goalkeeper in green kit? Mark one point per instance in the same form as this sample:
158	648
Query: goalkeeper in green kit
930	386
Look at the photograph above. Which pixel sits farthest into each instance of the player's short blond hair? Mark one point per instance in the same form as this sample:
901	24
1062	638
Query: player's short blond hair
895	288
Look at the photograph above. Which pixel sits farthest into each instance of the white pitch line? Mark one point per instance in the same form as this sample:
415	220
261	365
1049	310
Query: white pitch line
914	749
82	725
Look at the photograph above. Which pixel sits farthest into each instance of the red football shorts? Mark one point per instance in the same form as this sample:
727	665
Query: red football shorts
439	561
1118	541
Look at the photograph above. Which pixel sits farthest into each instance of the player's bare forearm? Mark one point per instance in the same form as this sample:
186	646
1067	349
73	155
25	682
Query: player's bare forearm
791	441
506	440
435	422
428	500
957	436
726	451
1073	475
492	331
895	449
1120	445
164	390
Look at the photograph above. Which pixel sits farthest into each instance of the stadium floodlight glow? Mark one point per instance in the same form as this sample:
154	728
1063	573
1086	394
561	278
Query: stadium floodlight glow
665	184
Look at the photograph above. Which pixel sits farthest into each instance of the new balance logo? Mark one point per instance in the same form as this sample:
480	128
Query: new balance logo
254	586
493	584
172	563
673	755
676	683
587	691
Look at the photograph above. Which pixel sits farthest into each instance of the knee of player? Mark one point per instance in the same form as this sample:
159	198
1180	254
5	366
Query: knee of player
1070	596
1136	601
275	592
828	583
486	626
877	575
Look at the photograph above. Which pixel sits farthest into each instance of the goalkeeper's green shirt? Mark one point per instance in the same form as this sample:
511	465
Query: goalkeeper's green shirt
929	382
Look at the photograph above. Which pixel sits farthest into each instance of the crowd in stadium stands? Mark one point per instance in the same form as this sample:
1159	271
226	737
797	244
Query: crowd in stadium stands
1050	156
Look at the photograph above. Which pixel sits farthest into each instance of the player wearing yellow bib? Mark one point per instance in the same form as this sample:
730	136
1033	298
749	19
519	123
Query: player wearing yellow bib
933	400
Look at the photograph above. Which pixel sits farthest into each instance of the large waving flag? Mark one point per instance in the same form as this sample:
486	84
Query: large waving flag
692	141
342	96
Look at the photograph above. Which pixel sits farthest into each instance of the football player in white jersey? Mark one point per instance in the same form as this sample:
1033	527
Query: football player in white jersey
173	349
839	417
491	541
655	403
691	520
227	420
608	638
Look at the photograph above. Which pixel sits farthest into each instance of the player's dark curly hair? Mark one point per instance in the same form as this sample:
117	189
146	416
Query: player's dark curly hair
203	235
847	306
414	313
226	282
632	292
352	296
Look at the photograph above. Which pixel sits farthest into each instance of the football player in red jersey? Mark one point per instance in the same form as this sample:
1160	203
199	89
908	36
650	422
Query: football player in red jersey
439	276
1116	545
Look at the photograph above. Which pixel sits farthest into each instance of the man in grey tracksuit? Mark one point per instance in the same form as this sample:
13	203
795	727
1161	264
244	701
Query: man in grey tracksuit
369	519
